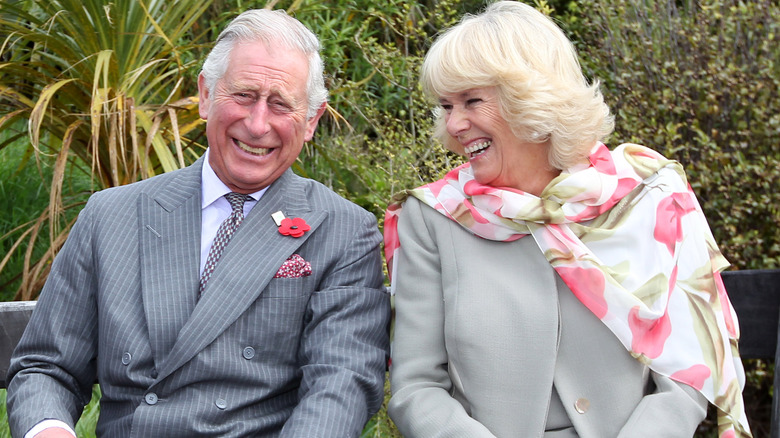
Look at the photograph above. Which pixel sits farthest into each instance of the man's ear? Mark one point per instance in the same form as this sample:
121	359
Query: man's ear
311	124
203	97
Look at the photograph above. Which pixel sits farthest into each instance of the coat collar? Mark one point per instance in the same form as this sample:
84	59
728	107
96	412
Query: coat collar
169	245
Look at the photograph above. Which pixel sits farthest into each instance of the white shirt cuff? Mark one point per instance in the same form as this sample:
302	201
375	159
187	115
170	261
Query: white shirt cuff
45	424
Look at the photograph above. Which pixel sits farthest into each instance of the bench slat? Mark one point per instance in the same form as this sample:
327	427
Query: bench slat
14	316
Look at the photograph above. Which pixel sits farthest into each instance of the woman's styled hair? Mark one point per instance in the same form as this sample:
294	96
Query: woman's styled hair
543	94
269	26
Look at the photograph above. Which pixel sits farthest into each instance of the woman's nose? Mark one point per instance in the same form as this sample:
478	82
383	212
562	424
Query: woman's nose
457	122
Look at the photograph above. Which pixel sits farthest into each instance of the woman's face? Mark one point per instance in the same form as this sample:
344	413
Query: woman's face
496	155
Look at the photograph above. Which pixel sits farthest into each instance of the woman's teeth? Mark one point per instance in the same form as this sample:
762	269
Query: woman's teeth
477	148
251	150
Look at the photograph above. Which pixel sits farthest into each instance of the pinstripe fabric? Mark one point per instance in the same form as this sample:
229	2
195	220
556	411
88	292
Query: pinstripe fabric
256	356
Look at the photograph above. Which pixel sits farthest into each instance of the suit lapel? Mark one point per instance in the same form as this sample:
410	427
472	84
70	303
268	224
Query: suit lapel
169	221
248	264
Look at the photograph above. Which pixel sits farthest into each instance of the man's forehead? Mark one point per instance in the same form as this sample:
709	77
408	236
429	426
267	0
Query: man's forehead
258	57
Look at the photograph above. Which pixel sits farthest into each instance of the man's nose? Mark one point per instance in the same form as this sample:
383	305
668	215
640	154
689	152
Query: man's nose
258	118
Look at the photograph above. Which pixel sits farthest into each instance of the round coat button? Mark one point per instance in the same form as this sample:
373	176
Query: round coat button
221	403
126	358
582	405
151	398
248	353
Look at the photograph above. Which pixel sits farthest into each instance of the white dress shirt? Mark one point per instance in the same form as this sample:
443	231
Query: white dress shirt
215	208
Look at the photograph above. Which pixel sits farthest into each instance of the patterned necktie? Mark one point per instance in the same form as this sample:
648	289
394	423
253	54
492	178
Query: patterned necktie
224	234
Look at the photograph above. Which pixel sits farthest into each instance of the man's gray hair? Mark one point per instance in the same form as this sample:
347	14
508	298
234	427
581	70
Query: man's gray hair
269	26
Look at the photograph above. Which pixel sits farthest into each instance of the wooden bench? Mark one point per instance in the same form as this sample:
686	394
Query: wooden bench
13	319
755	295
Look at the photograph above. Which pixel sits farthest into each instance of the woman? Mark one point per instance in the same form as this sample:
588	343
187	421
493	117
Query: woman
550	287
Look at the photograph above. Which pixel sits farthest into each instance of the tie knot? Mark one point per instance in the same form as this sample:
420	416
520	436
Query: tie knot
236	201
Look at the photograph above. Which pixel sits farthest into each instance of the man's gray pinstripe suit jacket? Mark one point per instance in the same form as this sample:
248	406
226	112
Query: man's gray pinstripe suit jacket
256	356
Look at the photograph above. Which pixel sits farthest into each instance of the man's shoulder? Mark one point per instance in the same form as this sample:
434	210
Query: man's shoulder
323	197
186	178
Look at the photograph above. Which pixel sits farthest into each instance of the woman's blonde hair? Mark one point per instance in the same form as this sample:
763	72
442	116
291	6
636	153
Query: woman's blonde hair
543	94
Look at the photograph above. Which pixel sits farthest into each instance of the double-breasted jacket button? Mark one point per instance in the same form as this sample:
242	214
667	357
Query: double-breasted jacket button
151	398
582	405
221	403
126	358
248	353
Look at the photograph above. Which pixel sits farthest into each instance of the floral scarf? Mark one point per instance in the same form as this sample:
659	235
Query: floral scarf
628	237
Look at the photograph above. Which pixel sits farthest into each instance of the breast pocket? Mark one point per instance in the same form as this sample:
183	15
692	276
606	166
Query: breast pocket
288	288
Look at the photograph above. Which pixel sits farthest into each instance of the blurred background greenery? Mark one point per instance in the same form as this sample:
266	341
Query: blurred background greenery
98	93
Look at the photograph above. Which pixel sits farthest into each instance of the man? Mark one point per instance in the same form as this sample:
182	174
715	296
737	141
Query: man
286	335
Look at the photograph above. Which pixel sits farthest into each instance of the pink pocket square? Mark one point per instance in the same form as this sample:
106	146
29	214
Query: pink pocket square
294	267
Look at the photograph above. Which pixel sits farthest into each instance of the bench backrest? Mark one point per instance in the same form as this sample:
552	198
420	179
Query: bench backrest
755	295
13	319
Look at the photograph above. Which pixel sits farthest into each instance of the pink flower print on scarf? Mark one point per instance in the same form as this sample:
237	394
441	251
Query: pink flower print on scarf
587	284
649	334
695	376
668	223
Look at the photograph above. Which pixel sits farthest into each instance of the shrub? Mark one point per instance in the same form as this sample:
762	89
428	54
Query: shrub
700	82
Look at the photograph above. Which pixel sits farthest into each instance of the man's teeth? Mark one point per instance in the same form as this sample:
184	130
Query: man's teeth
251	150
477	147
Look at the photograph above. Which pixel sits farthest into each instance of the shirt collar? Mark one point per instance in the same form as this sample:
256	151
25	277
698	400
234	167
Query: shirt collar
212	188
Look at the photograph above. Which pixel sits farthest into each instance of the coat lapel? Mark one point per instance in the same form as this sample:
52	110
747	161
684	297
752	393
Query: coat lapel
169	221
249	262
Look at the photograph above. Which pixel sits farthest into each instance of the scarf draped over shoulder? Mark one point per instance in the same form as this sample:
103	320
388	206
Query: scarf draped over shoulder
627	235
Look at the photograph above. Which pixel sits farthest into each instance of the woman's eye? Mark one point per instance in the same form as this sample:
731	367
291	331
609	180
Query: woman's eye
473	101
446	107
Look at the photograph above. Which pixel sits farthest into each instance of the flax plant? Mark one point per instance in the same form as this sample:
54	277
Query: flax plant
102	88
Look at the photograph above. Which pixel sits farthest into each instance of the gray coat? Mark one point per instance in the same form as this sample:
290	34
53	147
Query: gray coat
485	330
256	356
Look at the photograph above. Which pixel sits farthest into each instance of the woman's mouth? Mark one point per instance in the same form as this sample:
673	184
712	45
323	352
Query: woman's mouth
252	150
477	148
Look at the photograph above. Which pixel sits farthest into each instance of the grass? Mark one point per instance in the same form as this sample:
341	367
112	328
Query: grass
24	195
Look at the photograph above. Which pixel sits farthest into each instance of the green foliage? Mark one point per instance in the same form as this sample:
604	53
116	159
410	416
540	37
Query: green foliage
699	82
23	194
377	138
101	87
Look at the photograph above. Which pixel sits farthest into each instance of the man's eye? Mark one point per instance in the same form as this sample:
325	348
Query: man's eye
280	104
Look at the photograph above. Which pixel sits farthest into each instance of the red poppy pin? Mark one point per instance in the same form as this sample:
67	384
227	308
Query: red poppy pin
295	227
